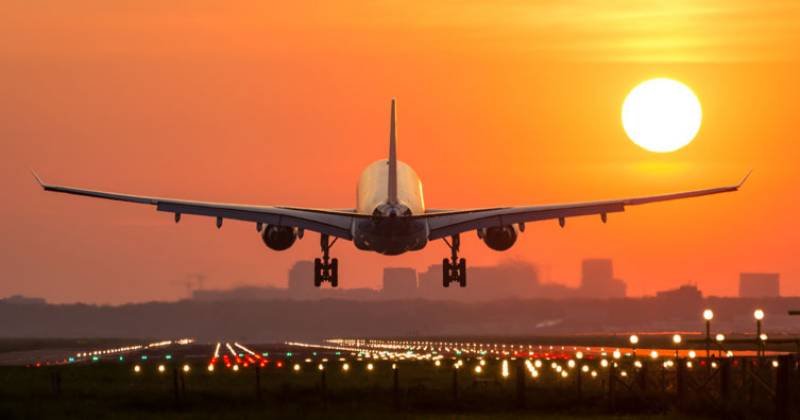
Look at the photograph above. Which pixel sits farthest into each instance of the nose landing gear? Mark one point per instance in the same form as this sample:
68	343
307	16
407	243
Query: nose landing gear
454	269
326	268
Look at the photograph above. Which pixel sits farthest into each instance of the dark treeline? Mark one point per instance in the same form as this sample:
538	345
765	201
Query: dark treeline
276	320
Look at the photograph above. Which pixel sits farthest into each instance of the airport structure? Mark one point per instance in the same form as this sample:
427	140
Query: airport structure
759	285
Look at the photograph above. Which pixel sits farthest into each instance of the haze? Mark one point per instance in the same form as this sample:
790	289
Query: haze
274	103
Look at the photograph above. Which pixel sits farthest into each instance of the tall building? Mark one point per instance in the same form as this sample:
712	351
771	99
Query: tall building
399	283
507	280
598	282
301	277
759	285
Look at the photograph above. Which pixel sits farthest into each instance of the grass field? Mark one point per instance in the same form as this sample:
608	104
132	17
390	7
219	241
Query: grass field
114	390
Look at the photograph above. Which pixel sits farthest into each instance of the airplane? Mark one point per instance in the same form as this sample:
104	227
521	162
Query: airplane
389	218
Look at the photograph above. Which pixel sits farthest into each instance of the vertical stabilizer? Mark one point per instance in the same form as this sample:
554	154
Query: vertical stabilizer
392	190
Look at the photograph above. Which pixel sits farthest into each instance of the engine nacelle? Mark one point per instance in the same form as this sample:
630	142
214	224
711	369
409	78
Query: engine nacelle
279	238
499	238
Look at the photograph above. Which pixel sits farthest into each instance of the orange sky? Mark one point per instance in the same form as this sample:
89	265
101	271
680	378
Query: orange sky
270	103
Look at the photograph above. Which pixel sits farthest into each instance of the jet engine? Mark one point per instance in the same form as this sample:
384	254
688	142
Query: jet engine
279	238
498	238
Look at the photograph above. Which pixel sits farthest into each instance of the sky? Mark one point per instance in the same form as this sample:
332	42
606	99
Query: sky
284	103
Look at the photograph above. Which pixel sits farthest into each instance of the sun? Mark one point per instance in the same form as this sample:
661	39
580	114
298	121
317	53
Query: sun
661	115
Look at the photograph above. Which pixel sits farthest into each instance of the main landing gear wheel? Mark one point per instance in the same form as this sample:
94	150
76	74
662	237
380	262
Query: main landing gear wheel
454	269
326	268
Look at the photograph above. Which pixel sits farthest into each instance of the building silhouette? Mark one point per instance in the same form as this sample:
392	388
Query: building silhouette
598	282
399	283
300	284
759	285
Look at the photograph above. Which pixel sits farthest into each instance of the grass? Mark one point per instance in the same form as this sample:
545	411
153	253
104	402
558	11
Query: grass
106	390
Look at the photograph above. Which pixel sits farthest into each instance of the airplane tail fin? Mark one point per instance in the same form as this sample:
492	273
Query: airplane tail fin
392	190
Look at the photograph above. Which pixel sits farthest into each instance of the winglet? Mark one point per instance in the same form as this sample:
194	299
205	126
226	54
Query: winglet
38	179
392	188
744	179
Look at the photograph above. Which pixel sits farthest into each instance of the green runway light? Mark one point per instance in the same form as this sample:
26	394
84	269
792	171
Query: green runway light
95	358
288	354
338	353
265	354
71	360
168	357
241	354
121	358
144	357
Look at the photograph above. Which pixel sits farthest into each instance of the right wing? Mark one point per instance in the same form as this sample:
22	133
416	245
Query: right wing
330	222
451	222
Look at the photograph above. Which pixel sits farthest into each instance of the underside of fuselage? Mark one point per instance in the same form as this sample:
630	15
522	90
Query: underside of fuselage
390	235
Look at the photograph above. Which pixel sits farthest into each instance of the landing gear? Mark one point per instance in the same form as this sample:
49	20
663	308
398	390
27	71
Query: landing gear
454	269
326	268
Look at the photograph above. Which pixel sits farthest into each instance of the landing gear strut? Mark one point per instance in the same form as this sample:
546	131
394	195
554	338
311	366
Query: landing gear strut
454	269
326	268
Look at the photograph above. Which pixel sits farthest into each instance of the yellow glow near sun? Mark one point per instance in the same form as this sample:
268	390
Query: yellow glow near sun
661	115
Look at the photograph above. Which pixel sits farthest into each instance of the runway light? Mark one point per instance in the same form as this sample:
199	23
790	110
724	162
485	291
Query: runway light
482	362
161	368
478	369
564	374
708	314
775	363
235	368
437	363
604	363
296	367
758	314
345	367
617	354
571	364
137	369
504	370
692	354
321	366
579	355
654	355
210	367
186	368
537	363
676	339
720	338
394	366
638	364
762	337
634	339
594	374
584	368
370	366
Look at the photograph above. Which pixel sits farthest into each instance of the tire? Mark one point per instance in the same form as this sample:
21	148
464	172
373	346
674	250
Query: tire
446	272
334	272
317	272
462	272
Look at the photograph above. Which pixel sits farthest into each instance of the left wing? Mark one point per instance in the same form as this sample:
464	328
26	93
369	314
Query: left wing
335	223
448	223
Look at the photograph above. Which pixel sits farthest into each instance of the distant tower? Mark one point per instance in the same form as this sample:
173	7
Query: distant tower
759	285
597	280
399	283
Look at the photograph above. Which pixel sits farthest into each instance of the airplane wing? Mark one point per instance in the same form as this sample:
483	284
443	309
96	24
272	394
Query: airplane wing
331	222
447	223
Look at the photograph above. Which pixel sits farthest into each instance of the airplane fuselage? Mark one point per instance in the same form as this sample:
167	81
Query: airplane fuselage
390	231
